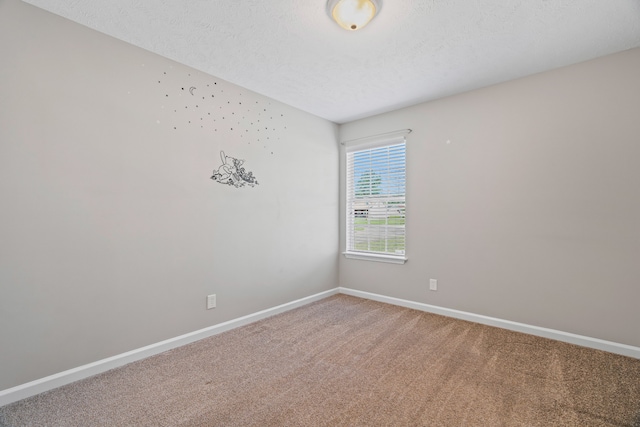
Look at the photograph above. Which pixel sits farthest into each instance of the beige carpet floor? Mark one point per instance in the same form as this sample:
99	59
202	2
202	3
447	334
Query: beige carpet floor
345	361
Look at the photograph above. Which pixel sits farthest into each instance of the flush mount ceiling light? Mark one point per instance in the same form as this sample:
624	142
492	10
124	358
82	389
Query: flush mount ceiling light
353	14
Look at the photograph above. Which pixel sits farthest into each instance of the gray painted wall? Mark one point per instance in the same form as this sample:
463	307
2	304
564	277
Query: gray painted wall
523	201
111	232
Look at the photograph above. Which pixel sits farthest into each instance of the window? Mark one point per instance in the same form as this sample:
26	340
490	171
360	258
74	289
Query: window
376	199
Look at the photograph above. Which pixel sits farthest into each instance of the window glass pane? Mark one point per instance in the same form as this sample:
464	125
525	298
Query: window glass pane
376	200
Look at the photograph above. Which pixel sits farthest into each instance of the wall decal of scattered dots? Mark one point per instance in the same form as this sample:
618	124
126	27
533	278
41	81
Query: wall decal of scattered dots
231	173
211	110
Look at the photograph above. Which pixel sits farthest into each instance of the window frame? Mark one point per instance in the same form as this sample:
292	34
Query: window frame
366	144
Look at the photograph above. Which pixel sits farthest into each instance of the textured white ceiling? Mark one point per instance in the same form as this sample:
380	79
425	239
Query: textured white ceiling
413	51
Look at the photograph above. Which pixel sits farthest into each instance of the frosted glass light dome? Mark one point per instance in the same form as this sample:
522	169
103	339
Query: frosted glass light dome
353	14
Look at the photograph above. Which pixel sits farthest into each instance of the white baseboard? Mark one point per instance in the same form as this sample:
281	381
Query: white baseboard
595	343
62	378
57	380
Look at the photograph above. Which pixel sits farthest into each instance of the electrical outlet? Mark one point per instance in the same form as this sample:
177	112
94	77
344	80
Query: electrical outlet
433	284
211	301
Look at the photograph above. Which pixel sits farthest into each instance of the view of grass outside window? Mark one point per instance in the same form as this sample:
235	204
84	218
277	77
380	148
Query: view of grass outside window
376	200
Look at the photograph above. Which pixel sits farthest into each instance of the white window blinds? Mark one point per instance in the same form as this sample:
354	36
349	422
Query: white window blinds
376	198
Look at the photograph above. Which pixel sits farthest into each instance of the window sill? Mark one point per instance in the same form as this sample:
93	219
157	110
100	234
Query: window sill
363	256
